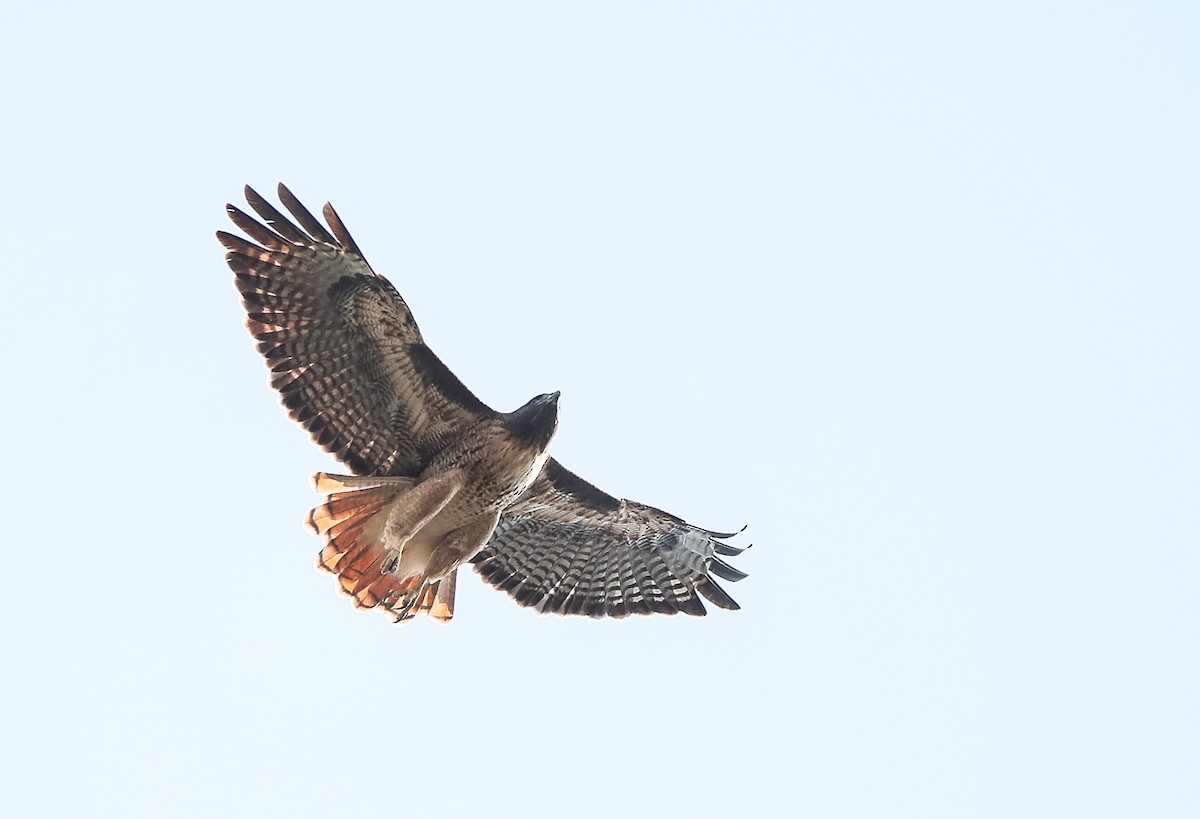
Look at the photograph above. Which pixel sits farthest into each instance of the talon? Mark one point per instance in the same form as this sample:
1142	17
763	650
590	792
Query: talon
391	560
404	600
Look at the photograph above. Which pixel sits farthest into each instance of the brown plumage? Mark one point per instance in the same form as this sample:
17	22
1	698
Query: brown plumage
440	478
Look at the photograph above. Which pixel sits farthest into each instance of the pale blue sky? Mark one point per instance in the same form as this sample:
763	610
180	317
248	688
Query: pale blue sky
911	289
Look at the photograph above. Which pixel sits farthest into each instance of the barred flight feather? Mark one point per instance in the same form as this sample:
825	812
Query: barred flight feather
338	341
565	547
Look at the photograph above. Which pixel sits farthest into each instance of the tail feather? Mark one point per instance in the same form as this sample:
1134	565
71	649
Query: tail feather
364	558
344	530
344	506
442	607
352	519
327	484
328	559
339	546
426	601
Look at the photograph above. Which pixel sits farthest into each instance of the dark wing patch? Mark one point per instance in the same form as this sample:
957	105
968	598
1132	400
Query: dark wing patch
569	548
570	484
437	376
344	350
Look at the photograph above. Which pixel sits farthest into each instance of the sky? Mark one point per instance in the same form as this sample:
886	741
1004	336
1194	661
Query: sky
910	290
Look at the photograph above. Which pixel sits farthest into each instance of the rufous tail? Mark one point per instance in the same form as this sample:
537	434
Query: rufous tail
352	521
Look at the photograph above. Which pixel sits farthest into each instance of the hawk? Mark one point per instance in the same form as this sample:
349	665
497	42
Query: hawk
440	478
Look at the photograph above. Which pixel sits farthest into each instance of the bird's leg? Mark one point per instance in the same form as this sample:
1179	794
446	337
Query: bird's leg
461	545
412	510
391	558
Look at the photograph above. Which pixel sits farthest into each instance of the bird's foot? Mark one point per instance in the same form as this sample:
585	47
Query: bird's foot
401	602
391	559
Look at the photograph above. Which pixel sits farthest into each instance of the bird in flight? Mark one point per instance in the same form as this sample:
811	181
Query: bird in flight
439	477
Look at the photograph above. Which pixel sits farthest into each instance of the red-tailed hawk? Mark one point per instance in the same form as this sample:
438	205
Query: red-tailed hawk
440	478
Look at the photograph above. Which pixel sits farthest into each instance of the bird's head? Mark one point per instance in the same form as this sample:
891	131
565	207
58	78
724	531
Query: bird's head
536	422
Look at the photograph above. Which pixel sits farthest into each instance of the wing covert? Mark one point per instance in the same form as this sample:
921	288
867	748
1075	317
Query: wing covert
344	350
569	548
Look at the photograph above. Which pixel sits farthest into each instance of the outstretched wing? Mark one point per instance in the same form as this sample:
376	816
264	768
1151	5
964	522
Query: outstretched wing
344	351
569	548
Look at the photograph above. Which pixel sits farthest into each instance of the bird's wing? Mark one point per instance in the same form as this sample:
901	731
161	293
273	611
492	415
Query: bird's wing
569	548
344	351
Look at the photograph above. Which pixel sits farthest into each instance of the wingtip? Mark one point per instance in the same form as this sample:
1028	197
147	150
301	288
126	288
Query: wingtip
717	595
725	535
726	572
339	230
692	605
